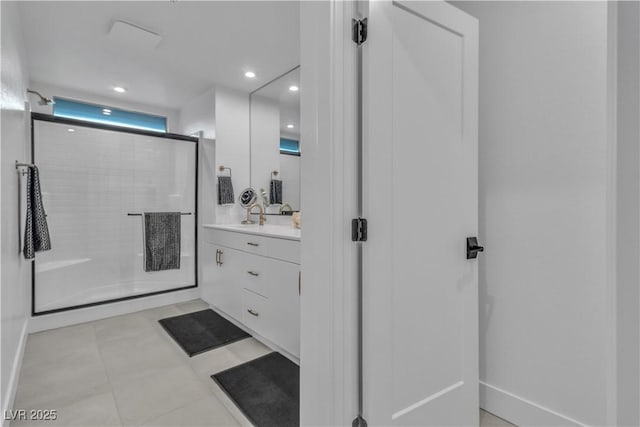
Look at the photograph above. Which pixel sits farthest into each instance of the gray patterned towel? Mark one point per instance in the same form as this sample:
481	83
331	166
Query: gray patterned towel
36	231
275	192
225	190
161	241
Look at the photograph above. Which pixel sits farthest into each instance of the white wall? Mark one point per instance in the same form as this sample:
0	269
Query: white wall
232	146
328	374
122	101
628	220
222	114
543	210
15	283
199	115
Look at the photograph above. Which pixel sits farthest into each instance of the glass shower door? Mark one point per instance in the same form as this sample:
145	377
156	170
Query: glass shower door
92	180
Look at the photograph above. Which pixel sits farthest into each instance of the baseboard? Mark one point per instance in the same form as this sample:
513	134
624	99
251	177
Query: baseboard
89	314
520	411
12	387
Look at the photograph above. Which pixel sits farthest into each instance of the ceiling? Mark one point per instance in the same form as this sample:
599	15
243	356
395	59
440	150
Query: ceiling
204	43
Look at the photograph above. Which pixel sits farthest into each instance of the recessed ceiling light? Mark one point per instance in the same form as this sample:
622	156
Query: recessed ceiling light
294	88
71	130
250	74
290	126
119	89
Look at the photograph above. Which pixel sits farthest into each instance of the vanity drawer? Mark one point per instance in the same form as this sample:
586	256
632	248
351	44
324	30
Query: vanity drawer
241	241
255	312
257	274
286	250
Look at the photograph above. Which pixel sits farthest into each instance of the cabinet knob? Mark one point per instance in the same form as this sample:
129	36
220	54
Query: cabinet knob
253	312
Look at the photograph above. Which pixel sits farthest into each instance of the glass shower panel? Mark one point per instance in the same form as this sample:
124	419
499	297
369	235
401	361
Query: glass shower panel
91	180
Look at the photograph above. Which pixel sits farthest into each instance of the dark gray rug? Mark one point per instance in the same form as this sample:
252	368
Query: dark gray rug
266	389
201	331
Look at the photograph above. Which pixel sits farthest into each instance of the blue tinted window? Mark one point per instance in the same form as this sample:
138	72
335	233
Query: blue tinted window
108	115
289	146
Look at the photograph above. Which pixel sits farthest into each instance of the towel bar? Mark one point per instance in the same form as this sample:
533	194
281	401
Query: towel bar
21	173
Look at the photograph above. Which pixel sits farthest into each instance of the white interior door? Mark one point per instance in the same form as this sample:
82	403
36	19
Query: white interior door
420	140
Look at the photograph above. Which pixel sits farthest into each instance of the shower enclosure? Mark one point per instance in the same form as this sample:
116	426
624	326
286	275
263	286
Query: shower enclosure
96	180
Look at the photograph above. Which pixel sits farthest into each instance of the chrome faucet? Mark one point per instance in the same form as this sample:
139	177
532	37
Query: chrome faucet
262	219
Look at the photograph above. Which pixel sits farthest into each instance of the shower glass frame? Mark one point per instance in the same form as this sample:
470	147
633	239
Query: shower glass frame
127	130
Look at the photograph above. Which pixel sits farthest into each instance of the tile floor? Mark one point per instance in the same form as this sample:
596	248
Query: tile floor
127	371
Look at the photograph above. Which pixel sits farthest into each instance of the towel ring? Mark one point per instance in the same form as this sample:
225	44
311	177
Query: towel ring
222	168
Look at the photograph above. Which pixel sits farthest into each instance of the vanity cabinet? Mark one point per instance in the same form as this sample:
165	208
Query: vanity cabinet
255	280
220	279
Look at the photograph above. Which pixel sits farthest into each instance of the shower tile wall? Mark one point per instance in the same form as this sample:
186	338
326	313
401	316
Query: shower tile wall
91	179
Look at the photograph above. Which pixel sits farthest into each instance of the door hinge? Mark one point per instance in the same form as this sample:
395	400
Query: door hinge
359	229
359	30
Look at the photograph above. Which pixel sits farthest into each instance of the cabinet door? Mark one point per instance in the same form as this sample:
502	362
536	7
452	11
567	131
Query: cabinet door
284	299
222	281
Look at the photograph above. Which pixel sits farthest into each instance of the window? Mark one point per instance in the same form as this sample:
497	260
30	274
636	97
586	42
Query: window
289	146
108	115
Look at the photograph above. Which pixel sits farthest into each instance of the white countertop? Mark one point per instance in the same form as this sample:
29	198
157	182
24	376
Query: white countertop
268	230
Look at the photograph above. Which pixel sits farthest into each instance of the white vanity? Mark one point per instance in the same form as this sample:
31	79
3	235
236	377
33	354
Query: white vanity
251	274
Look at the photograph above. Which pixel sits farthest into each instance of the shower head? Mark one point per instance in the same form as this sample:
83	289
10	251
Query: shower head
43	100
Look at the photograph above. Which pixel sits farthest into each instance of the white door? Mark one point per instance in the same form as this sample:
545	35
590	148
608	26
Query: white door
420	139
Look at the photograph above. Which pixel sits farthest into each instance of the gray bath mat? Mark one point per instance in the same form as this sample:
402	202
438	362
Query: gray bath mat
266	389
201	331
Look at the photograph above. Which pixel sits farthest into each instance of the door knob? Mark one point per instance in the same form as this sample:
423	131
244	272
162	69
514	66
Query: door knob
473	248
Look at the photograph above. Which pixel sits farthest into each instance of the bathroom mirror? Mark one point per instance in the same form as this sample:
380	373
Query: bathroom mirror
275	143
